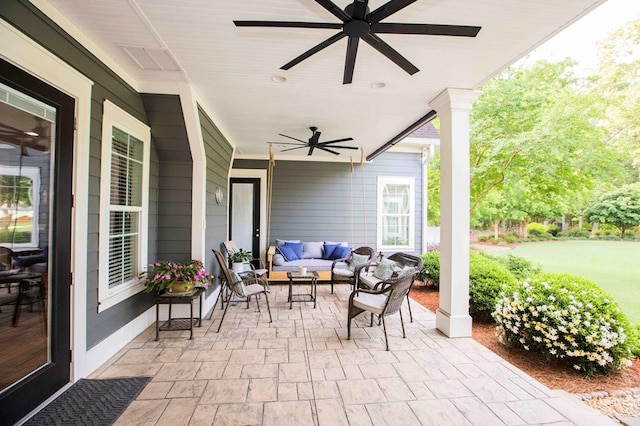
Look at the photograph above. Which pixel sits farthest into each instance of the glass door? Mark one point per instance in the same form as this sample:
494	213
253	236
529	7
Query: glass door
36	150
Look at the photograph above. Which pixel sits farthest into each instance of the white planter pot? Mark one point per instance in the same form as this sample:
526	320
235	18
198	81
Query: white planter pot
238	267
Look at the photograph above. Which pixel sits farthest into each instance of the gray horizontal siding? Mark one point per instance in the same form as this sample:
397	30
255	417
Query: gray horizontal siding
326	202
218	152
175	177
106	85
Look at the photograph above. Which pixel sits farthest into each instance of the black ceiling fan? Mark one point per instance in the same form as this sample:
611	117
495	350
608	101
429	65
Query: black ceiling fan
314	143
358	23
37	138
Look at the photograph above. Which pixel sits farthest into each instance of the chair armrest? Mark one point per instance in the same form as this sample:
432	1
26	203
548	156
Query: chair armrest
271	251
333	264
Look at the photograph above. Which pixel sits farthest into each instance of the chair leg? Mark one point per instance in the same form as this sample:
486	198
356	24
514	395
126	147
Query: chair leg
221	298
258	303
266	298
225	312
409	305
384	327
404	336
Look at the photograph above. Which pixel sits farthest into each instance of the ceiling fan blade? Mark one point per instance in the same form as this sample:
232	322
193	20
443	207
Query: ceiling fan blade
311	147
295	139
334	10
338	146
291	149
328	150
288	24
13	129
328	42
350	61
335	141
360	9
287	143
387	10
426	29
388	51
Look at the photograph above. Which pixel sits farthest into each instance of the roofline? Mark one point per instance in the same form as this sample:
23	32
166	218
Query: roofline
403	134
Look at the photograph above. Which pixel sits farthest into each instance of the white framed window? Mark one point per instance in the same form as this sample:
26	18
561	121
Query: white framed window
396	213
19	206
124	198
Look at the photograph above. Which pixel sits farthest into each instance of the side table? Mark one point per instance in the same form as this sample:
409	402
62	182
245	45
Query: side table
179	323
312	278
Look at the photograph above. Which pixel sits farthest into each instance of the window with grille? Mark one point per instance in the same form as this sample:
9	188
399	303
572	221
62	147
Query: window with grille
123	205
396	212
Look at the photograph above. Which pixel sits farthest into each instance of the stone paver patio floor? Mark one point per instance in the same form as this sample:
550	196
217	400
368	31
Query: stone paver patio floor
301	370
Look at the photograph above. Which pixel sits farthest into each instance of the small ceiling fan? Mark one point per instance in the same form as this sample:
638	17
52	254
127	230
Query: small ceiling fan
38	138
314	143
358	23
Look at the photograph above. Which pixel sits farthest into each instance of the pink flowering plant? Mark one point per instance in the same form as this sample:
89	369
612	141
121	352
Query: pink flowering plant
161	275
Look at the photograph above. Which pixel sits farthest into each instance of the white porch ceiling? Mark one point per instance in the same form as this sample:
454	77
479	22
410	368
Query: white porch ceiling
231	69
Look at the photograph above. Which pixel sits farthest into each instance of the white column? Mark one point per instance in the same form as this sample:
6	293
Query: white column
453	107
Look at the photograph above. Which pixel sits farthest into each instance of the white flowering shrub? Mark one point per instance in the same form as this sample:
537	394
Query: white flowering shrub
566	317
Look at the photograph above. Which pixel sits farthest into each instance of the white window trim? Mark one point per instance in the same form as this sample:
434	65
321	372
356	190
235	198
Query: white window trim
113	116
385	180
34	174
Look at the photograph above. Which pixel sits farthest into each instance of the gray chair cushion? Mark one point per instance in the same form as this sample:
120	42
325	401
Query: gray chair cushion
370	302
342	272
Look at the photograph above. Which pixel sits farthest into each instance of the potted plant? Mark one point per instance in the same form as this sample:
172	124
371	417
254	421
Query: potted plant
239	258
175	277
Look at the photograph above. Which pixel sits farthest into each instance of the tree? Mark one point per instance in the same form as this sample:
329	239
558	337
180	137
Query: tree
619	81
620	207
536	136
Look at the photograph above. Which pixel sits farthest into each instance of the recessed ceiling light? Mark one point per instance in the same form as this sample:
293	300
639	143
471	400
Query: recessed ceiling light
378	85
278	79
31	134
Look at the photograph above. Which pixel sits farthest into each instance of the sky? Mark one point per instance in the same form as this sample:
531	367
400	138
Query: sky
579	41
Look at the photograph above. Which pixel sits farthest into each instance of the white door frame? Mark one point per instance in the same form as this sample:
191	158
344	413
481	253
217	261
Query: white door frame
262	175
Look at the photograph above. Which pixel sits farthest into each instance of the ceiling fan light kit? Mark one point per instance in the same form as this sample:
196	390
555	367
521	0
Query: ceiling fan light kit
360	24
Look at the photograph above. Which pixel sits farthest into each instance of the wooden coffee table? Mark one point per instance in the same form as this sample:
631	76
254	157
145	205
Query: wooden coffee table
307	278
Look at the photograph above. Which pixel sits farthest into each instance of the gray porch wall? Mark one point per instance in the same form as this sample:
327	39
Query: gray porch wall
218	152
314	201
107	85
169	136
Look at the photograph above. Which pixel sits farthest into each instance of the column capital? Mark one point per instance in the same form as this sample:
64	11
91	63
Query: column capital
454	99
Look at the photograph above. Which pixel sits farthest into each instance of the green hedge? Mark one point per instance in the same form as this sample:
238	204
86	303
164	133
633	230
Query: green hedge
487	280
536	229
520	267
568	318
430	272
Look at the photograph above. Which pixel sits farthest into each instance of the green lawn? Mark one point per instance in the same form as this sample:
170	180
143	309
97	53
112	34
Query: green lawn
614	265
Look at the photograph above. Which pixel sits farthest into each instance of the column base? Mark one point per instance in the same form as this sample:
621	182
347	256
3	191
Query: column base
453	326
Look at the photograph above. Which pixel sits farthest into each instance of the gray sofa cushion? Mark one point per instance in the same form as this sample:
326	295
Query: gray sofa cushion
311	264
312	249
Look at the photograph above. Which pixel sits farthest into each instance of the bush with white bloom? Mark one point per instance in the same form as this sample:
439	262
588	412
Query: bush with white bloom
569	318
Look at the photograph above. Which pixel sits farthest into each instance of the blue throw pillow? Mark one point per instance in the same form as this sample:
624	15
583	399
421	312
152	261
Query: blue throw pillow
328	251
288	253
296	247
341	252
